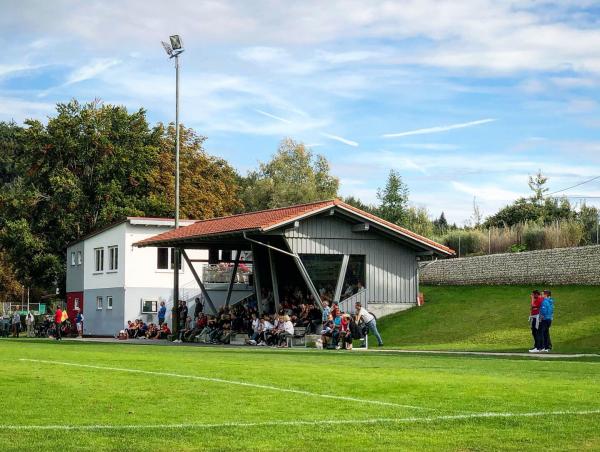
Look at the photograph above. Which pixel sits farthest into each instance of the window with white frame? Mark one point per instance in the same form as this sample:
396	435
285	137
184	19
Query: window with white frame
79	258
165	259
109	302
113	258
99	259
72	258
99	303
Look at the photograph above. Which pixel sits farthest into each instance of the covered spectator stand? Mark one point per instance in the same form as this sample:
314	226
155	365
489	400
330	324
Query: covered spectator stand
328	251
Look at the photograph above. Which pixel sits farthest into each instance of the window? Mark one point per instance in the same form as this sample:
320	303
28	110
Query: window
324	271
165	259
113	258
162	259
76	303
109	302
149	306
79	260
73	259
99	303
99	259
354	280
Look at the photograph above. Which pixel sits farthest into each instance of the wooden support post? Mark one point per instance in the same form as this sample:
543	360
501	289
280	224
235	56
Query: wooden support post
233	275
274	280
199	281
257	289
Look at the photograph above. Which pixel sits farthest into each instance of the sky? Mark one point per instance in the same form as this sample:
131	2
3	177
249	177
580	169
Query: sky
464	99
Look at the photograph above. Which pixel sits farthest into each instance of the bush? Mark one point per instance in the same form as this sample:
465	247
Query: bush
534	237
466	242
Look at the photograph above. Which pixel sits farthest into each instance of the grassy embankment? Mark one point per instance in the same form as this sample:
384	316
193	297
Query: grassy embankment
494	318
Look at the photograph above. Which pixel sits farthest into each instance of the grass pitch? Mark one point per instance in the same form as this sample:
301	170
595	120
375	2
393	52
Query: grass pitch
90	396
494	318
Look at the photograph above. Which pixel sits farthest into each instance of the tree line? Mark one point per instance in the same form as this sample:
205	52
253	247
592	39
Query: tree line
93	164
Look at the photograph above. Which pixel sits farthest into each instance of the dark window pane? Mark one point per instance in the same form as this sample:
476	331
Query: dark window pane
324	270
162	260
354	280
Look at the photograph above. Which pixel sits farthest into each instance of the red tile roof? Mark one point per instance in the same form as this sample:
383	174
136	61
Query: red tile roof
269	219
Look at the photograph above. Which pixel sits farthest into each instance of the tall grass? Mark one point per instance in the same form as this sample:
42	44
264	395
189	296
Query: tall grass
527	236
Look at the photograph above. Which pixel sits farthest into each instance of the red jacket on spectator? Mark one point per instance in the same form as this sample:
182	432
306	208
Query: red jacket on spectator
58	316
536	302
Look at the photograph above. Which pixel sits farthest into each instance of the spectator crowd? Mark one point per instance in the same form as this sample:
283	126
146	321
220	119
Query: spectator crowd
297	313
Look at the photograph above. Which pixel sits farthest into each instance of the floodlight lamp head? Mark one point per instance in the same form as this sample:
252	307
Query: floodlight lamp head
167	48
176	43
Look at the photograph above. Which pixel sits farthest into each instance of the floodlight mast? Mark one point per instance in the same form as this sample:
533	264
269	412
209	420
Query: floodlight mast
174	49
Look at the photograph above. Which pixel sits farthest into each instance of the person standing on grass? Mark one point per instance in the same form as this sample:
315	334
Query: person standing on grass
546	315
57	322
16	322
79	323
369	320
534	320
162	312
29	322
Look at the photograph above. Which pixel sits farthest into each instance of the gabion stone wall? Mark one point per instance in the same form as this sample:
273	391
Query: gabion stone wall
557	266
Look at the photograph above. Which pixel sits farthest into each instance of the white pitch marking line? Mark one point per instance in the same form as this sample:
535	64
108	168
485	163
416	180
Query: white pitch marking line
231	382
300	423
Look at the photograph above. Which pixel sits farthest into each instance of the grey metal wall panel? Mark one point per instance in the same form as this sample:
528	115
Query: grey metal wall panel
390	266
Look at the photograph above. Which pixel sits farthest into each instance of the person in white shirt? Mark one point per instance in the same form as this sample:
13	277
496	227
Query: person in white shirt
30	322
286	329
264	328
369	320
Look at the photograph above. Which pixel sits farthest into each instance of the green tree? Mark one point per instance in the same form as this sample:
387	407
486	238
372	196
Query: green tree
293	176
418	221
589	218
393	200
209	186
10	288
521	211
354	201
440	225
537	184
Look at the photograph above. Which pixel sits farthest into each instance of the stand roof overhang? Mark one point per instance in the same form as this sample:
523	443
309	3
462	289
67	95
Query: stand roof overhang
229	232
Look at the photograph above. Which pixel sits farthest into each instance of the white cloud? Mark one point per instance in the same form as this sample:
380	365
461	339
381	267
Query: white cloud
438	129
91	70
18	109
262	54
340	139
487	192
482	34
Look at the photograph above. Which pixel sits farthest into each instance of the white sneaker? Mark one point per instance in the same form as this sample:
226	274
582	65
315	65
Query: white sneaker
252	342
544	350
534	350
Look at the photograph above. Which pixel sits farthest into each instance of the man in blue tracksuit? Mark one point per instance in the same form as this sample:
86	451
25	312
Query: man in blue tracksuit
547	314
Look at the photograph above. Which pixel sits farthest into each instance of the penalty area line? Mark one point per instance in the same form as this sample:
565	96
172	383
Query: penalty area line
314	423
230	382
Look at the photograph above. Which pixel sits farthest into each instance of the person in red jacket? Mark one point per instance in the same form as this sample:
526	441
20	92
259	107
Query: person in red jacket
57	322
534	319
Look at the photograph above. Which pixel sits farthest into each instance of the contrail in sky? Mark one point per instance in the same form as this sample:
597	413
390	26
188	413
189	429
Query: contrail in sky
438	129
278	118
340	139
